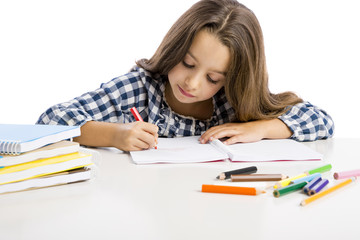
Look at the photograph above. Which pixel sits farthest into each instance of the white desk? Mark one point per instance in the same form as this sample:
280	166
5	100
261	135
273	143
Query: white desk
163	201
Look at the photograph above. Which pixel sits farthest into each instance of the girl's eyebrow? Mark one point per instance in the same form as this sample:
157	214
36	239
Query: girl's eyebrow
192	56
219	72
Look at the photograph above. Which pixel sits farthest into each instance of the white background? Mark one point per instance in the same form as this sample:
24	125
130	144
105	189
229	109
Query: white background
52	51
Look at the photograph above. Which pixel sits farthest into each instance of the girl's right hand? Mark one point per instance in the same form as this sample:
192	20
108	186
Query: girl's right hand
135	136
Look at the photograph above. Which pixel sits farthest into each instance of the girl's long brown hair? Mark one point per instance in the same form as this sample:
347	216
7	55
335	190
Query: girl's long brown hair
237	27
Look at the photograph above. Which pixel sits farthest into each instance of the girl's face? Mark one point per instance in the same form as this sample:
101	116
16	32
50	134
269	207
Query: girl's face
201	74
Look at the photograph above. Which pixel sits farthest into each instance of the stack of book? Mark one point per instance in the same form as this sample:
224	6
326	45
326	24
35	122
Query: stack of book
37	156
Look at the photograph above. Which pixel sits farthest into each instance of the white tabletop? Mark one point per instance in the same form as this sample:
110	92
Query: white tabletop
164	201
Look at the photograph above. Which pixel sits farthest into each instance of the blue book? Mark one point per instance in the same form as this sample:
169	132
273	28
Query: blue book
20	138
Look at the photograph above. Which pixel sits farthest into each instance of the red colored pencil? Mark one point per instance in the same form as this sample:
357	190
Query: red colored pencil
137	116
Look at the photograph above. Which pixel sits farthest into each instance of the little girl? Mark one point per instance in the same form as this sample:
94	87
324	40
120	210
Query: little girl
208	77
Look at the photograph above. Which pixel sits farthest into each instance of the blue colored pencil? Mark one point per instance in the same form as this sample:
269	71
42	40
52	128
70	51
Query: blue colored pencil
306	178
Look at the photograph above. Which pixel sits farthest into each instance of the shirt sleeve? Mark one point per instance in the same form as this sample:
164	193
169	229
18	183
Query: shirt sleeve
109	103
308	122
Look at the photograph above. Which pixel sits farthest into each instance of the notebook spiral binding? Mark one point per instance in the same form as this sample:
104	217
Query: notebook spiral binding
9	147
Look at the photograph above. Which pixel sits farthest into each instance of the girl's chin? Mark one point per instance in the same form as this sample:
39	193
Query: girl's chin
185	101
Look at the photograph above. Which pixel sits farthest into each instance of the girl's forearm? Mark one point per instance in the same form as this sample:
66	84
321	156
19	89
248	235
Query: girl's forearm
276	129
96	134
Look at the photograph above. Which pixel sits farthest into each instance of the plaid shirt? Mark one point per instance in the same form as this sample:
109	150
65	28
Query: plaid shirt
145	91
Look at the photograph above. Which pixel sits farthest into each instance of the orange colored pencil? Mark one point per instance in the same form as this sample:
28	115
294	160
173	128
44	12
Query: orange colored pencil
231	189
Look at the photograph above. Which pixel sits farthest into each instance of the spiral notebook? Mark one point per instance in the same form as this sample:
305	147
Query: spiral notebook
20	138
189	150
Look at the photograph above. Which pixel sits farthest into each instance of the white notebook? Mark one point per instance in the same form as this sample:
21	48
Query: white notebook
189	150
51	150
61	178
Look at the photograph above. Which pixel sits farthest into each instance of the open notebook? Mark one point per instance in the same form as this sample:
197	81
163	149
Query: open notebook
189	150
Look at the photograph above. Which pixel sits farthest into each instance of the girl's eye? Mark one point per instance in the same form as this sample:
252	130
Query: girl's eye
208	77
187	65
211	80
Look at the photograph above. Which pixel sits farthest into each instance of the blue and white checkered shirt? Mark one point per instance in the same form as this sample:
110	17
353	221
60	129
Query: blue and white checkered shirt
145	91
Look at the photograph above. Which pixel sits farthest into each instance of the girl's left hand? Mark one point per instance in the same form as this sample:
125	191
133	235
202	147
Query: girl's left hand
247	132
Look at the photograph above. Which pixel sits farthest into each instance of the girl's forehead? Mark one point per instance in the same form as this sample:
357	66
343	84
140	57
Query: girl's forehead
207	49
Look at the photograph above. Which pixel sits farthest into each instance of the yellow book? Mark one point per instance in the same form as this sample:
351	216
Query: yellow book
43	167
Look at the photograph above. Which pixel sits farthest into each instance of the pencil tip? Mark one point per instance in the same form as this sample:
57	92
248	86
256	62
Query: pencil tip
221	176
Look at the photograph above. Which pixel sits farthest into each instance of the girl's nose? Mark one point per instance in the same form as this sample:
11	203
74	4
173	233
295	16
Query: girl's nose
193	82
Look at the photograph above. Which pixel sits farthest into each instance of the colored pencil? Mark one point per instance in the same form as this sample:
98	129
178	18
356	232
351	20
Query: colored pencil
321	169
288	189
285	182
318	187
231	189
311	184
257	177
227	175
347	174
136	114
306	178
327	191
137	117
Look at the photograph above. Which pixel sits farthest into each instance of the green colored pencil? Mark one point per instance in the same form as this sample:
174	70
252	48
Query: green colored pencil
289	189
321	169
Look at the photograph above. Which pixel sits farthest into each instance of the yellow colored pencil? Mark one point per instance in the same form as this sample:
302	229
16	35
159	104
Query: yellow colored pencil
327	191
287	181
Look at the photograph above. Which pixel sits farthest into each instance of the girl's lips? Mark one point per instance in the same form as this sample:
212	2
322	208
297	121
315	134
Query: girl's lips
185	93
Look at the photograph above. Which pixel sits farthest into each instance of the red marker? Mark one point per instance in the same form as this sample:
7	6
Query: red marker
137	116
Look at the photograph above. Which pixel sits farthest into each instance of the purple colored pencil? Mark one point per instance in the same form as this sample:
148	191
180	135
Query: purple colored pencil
311	184
318	187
